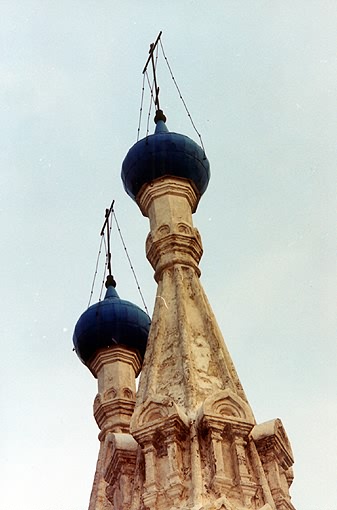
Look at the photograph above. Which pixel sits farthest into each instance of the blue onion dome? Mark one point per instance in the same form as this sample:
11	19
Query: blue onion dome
164	154
112	321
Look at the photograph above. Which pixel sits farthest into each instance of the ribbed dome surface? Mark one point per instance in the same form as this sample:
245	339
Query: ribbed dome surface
164	154
112	321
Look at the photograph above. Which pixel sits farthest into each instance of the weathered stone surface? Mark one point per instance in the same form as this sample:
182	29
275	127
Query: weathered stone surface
192	418
189	441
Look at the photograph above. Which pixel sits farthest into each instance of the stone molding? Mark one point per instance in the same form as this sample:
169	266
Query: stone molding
174	248
164	186
115	353
114	415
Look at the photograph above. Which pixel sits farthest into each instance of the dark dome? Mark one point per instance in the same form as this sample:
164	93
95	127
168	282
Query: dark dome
112	321
164	154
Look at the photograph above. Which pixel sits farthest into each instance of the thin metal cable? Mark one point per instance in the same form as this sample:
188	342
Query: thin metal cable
105	268
150	107
107	257
156	101
150	87
141	107
96	271
181	97
131	266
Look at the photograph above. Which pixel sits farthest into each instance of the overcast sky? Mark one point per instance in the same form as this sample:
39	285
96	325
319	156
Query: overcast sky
259	79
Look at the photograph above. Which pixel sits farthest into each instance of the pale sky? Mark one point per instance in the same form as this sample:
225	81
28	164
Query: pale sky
259	79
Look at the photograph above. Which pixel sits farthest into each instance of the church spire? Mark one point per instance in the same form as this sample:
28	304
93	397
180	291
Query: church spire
201	446
192	442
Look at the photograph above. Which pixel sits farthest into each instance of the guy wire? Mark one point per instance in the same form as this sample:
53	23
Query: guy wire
141	107
131	266
105	268
96	270
180	95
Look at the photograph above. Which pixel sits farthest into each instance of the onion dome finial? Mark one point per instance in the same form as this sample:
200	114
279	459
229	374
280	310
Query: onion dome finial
112	321
164	153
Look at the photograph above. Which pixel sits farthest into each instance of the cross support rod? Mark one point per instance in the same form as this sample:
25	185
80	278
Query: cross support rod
152	48
107	214
106	224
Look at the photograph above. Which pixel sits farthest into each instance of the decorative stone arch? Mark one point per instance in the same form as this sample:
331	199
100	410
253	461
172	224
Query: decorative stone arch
128	394
155	411
227	406
110	394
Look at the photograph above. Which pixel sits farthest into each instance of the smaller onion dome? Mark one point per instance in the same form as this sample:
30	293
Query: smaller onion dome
164	154
110	322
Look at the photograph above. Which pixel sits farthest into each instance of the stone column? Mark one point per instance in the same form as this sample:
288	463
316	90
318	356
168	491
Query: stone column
116	370
169	203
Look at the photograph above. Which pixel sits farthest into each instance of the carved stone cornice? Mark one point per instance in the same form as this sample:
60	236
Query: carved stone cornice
167	186
115	353
175	248
114	415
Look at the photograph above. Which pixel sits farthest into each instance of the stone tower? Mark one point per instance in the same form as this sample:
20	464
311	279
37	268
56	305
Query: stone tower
189	440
